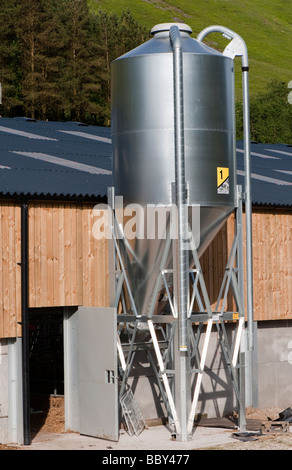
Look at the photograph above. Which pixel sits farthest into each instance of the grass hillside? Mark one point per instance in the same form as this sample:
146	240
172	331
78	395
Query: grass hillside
265	25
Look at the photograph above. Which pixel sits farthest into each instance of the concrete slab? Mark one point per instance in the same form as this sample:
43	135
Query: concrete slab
153	438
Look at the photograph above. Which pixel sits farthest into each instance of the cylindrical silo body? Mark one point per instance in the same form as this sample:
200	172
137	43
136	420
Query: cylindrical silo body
143	136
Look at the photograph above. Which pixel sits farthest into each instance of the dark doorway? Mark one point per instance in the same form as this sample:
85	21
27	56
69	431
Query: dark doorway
46	370
46	355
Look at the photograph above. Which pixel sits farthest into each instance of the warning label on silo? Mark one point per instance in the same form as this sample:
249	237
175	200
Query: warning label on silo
222	180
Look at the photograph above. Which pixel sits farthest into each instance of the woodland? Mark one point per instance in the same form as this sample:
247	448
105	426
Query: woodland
55	58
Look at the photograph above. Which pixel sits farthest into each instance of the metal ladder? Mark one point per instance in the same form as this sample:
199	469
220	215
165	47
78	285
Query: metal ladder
132	413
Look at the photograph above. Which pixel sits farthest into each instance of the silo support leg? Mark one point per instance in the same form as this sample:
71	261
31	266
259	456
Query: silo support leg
200	376
164	376
231	360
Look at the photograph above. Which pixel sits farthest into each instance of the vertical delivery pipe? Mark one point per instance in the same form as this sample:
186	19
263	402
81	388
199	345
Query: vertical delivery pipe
180	185
252	383
181	252
237	47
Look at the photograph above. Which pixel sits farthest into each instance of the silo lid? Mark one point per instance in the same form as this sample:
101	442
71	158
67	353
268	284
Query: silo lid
166	27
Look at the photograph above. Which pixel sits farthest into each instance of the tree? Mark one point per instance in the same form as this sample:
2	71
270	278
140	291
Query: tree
37	31
55	58
10	69
116	36
28	25
81	62
270	115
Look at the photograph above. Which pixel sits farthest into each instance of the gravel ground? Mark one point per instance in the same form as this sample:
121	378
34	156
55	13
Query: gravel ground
271	442
275	441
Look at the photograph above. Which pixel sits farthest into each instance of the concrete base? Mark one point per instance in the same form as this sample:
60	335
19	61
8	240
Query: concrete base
4	434
275	364
11	425
154	438
216	397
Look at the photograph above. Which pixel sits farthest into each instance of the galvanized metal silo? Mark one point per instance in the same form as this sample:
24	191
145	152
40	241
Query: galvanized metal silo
173	132
143	133
143	121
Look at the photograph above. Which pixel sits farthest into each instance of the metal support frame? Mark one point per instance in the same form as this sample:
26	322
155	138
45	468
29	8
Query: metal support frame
166	351
231	279
237	47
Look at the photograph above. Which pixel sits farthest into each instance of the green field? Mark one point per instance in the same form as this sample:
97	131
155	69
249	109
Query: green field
266	27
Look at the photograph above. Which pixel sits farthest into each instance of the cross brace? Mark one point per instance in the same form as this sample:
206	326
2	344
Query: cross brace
206	317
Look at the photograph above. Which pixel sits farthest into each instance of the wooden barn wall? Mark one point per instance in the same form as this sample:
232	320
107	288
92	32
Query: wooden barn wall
214	260
10	270
67	265
95	257
272	263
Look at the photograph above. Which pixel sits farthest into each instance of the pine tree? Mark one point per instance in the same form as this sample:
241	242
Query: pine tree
10	69
78	81
28	27
40	49
55	58
116	35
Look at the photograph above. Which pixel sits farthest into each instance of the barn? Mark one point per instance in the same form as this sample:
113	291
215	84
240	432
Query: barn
52	176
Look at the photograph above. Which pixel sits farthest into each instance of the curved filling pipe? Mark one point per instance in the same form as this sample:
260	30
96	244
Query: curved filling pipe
180	186
241	50
227	33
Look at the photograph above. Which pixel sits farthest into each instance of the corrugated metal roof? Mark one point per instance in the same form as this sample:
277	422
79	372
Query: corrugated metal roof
271	173
69	159
54	159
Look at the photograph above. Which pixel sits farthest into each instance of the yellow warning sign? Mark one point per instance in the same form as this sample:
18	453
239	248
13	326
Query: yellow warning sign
222	175
222	180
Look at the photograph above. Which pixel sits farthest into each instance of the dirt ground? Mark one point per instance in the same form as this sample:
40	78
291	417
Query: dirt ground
274	441
48	416
270	442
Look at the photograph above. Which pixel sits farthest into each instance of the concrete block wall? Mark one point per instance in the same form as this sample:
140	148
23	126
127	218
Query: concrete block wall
3	391
217	398
275	364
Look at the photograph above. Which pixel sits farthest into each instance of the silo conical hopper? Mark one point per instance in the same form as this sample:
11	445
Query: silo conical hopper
143	143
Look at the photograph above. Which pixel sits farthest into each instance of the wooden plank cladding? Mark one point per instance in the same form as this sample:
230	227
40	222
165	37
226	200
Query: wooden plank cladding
272	262
67	265
10	270
214	260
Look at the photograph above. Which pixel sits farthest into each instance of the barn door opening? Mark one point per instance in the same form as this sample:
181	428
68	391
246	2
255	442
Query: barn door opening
46	369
